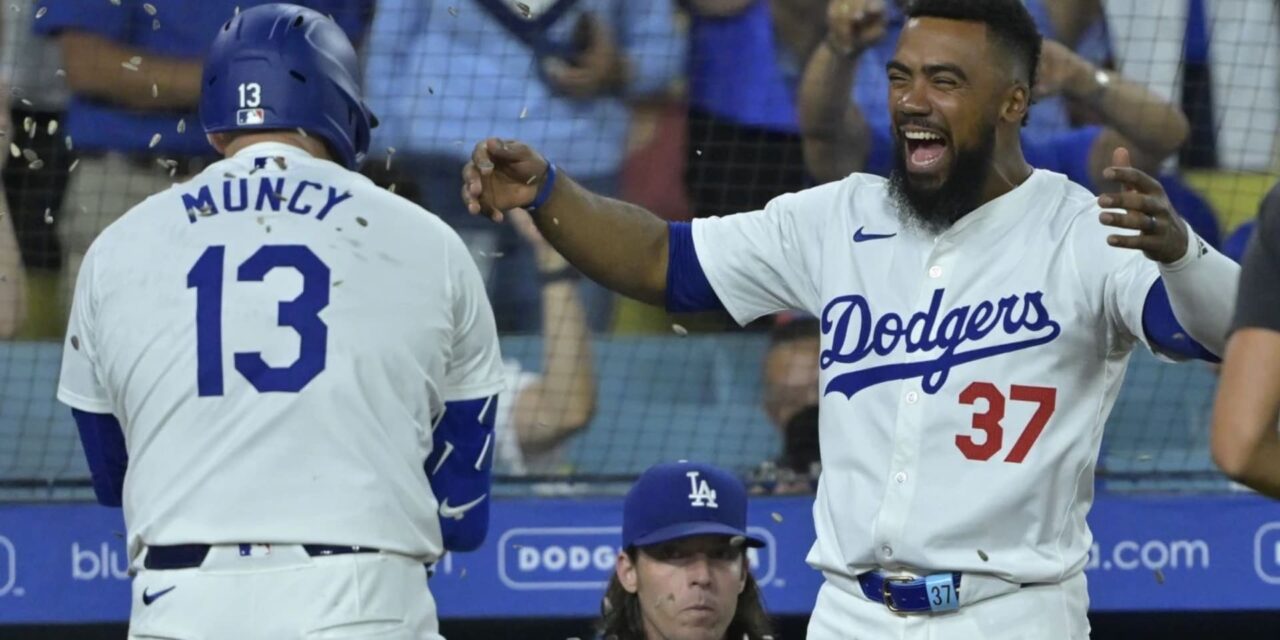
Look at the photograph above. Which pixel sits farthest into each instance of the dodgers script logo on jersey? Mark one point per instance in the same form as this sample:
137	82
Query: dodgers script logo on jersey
700	493
857	333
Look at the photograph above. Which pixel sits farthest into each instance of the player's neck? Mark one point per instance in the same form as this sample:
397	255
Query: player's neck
1009	169
312	145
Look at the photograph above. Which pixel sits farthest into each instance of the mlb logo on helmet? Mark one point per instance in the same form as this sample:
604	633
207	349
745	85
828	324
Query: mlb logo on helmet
250	116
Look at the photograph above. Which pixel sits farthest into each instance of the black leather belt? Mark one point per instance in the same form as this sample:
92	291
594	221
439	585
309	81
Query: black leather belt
189	556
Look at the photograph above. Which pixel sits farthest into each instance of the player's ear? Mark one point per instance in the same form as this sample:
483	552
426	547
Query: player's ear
625	569
1017	102
219	141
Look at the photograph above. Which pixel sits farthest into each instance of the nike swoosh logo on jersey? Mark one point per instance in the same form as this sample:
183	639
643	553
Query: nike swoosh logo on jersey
861	236
457	512
148	598
856	333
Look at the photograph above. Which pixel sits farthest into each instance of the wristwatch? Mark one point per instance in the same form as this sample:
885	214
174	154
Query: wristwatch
1101	82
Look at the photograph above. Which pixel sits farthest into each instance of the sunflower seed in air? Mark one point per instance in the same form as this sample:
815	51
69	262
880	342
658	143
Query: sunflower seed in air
155	140
680	331
149	8
52	128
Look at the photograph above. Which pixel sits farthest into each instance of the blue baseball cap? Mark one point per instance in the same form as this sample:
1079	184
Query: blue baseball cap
683	499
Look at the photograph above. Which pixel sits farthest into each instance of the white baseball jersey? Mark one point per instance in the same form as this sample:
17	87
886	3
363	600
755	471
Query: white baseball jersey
965	378
276	336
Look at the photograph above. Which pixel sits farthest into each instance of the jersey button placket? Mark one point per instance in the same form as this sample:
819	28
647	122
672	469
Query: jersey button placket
898	494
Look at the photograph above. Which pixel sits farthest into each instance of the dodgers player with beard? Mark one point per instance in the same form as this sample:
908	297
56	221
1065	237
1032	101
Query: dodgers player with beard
286	374
977	316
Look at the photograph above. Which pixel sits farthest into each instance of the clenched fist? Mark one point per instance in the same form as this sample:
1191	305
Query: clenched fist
854	25
502	175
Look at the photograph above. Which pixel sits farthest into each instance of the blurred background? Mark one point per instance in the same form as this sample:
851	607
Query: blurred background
690	108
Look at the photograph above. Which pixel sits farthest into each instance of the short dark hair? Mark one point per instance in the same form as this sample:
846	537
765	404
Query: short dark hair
620	617
1008	22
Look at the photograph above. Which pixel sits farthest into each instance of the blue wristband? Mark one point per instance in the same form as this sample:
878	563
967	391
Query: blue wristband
544	193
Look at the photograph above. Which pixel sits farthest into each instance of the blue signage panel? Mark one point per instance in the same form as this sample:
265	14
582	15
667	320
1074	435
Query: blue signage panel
553	557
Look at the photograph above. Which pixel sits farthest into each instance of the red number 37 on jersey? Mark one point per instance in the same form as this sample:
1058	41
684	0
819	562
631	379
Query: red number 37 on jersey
988	421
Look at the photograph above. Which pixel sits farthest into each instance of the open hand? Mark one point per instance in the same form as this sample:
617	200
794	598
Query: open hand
502	175
1162	233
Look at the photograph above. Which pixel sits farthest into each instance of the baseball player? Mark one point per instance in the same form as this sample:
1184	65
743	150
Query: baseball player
977	317
683	573
285	374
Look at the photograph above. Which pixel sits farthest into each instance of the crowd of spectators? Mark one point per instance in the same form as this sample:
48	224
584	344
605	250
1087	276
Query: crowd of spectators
720	104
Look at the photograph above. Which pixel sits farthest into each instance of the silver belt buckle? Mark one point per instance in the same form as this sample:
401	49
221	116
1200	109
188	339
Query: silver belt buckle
887	594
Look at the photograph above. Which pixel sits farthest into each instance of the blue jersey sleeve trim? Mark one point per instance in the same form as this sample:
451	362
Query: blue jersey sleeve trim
459	469
104	448
688	289
1164	332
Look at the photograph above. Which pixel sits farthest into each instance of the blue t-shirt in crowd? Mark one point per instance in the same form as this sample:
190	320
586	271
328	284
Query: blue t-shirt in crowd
442	75
736	71
170	28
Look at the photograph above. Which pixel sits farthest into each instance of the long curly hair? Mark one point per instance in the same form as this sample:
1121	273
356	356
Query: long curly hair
620	617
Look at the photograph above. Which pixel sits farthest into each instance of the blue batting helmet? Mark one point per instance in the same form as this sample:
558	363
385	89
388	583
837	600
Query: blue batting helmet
281	66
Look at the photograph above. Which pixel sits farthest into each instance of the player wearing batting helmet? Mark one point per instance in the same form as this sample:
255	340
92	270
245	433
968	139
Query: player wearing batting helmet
296	368
977	317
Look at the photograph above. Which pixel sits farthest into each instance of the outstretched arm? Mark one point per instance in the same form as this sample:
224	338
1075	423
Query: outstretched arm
1201	282
835	135
622	246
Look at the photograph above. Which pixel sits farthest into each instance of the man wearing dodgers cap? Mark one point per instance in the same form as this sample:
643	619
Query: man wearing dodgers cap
683	572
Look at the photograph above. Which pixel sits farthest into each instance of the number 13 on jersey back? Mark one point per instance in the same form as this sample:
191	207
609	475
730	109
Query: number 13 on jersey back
302	314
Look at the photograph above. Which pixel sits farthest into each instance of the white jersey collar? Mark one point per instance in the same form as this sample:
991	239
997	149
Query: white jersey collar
273	149
1013	203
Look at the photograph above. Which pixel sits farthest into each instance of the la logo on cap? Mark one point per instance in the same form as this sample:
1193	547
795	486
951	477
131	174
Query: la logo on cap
700	493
